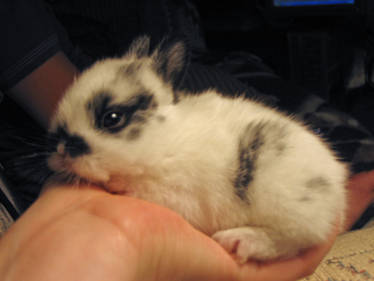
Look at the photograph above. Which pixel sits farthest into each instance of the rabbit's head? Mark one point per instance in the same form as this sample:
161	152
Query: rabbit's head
100	125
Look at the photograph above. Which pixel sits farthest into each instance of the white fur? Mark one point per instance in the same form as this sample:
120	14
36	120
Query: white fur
188	162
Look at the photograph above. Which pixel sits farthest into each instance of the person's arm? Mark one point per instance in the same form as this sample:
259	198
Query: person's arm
33	70
40	91
360	196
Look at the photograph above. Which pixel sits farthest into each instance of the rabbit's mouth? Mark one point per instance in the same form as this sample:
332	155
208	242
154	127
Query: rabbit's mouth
86	171
114	186
118	185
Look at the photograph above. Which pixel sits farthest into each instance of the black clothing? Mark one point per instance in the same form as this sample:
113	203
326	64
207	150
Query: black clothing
28	39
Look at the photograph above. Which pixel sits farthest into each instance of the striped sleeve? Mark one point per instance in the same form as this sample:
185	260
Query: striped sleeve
29	39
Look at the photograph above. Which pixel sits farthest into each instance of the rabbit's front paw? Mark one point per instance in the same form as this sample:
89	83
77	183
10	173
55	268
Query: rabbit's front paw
247	243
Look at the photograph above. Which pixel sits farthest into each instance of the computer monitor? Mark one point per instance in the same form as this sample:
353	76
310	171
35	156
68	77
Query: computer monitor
311	3
311	7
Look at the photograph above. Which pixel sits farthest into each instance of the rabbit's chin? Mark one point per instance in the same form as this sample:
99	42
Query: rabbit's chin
114	185
118	185
111	183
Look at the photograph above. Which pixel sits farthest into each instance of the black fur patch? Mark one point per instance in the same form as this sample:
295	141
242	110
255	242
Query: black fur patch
74	145
249	146
99	104
318	183
132	110
55	137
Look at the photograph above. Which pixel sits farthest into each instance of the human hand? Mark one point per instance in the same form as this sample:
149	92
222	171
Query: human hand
87	234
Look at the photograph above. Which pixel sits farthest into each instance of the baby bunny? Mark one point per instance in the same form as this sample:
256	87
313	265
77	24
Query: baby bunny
259	182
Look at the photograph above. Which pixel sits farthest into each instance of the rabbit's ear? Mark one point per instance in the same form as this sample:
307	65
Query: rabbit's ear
140	47
169	61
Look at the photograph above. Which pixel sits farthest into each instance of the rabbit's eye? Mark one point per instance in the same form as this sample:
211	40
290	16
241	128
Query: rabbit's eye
113	120
116	117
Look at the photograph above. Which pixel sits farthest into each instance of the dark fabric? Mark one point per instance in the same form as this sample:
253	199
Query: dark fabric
106	28
99	28
28	39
